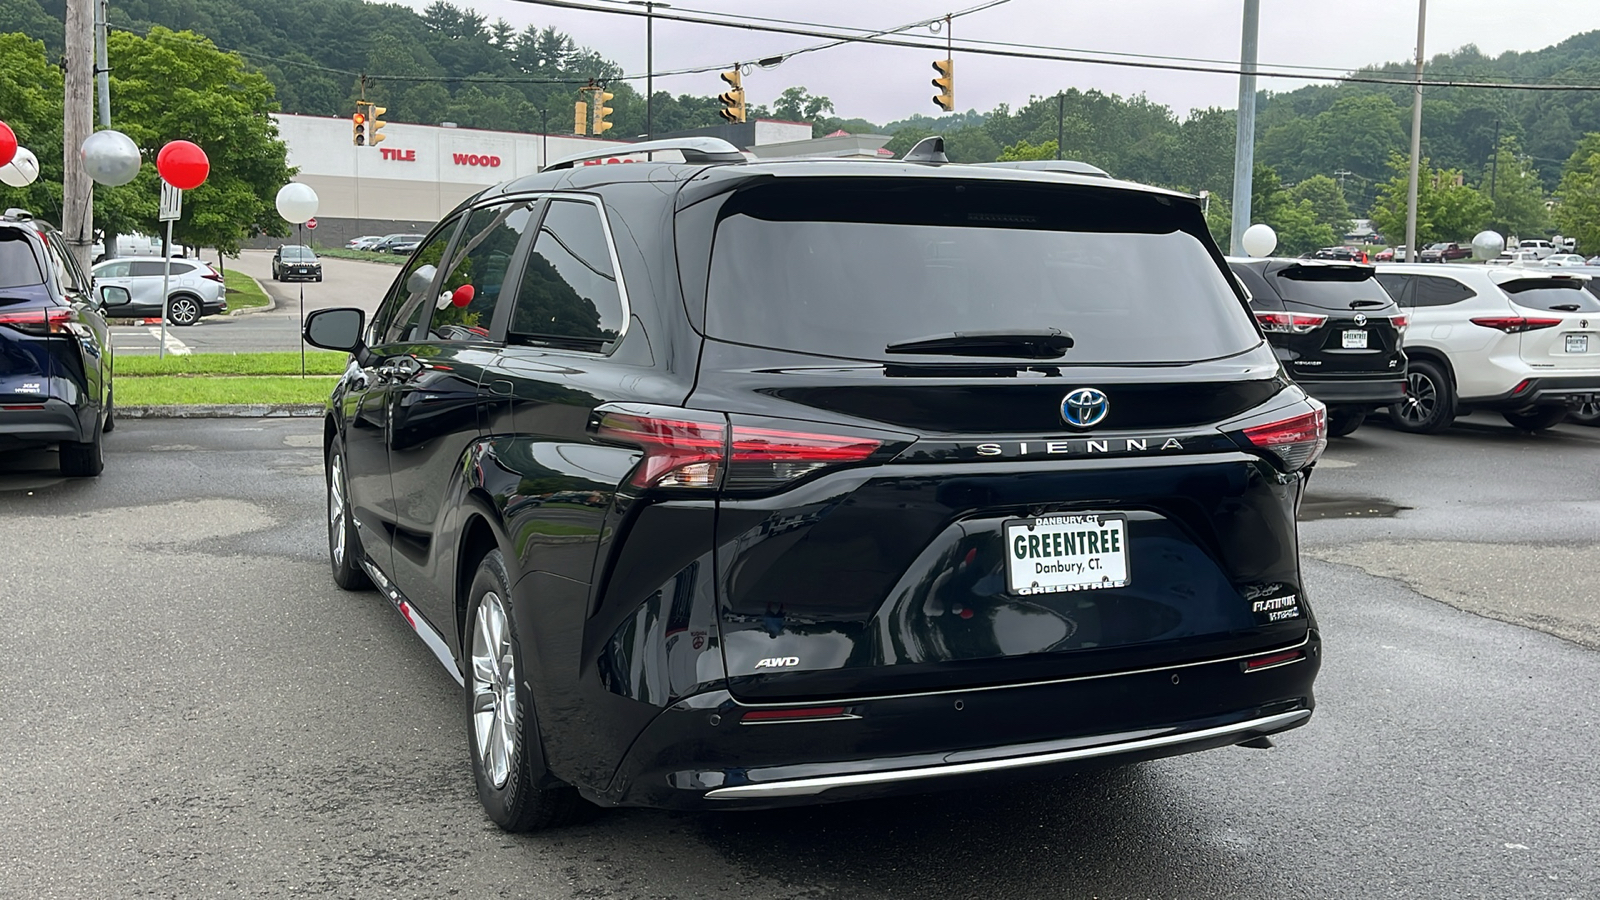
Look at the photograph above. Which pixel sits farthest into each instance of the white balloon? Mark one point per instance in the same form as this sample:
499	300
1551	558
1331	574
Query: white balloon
1488	244
23	169
297	202
110	157
1259	240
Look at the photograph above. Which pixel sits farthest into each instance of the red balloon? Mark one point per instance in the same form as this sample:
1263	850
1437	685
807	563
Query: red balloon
183	165
463	295
8	144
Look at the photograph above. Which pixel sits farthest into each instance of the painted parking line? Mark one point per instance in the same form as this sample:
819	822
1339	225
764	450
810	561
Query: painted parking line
174	346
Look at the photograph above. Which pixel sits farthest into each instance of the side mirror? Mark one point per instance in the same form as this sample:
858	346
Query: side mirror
335	329
111	295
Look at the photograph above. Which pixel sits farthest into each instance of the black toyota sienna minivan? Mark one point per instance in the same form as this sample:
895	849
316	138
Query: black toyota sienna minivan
723	484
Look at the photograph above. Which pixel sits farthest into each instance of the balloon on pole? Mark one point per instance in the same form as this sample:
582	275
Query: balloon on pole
1259	240
23	169
183	165
8	143
297	203
110	157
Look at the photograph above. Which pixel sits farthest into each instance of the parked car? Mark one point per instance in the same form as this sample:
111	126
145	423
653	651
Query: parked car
919	475
194	289
293	262
1344	254
1562	260
364	242
1445	252
55	349
1524	342
1522	258
1540	248
1336	330
401	244
1390	254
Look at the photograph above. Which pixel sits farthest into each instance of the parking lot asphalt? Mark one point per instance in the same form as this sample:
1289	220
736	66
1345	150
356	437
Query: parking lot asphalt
192	709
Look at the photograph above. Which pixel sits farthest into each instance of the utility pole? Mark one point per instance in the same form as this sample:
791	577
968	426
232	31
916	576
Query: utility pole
1244	146
1061	105
1416	138
1494	161
77	191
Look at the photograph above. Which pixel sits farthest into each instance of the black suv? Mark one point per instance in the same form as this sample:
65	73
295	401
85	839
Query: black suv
1336	329
55	348
724	484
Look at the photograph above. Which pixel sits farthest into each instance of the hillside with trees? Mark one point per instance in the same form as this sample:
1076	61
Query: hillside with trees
1327	152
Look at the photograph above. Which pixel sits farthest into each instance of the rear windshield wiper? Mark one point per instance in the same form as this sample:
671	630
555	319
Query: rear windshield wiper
1357	304
1044	343
1565	307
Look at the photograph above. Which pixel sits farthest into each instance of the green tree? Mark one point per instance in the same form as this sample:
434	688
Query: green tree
1577	211
796	104
1327	201
30	95
1448	209
1023	150
1516	192
177	85
1295	220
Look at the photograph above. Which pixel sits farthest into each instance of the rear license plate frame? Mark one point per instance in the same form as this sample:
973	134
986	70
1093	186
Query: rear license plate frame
1579	341
1113	563
1353	339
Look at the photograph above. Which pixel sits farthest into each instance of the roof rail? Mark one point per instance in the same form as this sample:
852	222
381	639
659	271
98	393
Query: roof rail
1070	166
694	150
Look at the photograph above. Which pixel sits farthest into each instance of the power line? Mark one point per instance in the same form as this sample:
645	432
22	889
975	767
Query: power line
1059	56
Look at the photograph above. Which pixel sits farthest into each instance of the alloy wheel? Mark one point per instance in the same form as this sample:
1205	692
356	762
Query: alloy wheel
336	508
494	690
1422	399
185	311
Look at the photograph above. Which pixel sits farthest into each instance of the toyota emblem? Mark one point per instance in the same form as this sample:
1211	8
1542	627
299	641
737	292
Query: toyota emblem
1361	319
1085	407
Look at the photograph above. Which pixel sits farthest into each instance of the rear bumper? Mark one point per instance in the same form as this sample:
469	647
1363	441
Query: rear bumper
1547	391
54	421
1356	391
698	755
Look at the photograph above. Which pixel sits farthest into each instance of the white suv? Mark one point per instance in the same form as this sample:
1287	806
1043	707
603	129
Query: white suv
1523	342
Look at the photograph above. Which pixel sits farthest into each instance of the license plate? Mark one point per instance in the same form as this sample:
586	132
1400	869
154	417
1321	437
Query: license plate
1051	554
1577	343
1355	340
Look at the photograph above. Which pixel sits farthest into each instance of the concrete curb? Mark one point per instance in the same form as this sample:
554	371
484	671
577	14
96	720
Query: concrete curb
242	411
272	302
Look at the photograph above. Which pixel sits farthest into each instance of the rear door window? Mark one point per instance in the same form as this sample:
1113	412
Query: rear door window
1398	286
1435	290
145	269
569	295
479	263
844	268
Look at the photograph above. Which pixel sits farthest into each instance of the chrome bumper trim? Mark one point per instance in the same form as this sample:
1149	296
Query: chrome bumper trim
801	787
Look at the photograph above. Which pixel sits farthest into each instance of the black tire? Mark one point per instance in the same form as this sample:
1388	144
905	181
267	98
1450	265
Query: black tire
1430	404
1342	420
319	279
1538	418
1586	413
507	762
184	310
84	459
344	543
111	415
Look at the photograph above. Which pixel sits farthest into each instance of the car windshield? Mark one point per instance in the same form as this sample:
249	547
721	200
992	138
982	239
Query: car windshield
1438	246
19	266
845	270
300	253
1332	287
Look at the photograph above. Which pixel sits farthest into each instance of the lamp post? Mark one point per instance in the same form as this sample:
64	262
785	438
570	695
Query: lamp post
649	60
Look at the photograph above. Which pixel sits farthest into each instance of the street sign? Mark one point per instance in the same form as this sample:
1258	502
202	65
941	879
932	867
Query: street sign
171	203
311	224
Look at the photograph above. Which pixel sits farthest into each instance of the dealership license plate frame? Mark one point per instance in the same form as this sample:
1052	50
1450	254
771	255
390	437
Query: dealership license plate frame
1022	582
1578	341
1353	339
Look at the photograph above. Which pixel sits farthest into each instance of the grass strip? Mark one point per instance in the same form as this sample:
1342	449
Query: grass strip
318	362
243	292
392	259
224	390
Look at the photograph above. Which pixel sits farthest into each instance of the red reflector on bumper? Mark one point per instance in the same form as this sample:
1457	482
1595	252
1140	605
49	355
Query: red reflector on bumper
808	713
1276	659
25	406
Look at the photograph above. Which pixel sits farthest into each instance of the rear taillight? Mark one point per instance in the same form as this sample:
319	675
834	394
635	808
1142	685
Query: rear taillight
699	450
1298	441
1515	324
39	321
213	275
1290	323
1400	322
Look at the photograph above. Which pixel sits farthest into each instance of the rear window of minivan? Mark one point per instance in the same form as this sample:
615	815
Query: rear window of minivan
843	268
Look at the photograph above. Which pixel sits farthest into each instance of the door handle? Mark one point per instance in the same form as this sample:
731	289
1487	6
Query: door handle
400	368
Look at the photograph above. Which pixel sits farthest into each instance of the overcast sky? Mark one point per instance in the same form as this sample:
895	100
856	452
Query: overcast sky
885	83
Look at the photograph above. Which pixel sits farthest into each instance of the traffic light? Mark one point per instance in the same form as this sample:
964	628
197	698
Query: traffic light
601	110
580	118
733	100
375	124
946	83
358	124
